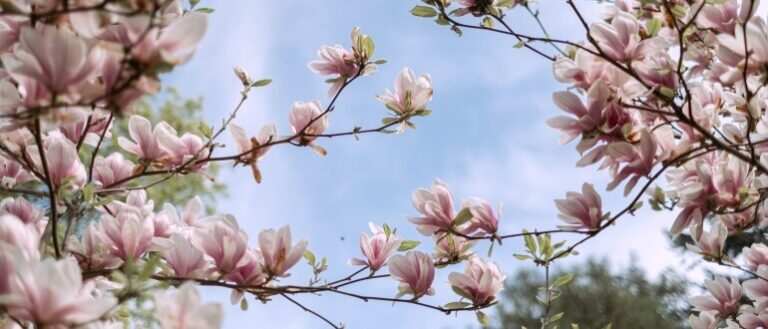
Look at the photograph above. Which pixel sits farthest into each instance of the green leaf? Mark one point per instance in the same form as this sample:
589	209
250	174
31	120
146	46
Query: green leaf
310	257
637	205
556	317
387	230
193	3
244	304
529	242
460	292
424	11
88	192
487	22
380	61
456	305
422	112
521	256
484	320
442	20
520	44
205	10
653	26
261	83
563	280
462	217
408	245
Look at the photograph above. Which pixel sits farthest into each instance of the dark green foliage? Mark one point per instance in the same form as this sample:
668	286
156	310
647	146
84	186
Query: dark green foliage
598	296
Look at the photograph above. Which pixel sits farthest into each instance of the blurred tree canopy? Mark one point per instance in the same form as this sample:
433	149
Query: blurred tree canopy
184	115
596	297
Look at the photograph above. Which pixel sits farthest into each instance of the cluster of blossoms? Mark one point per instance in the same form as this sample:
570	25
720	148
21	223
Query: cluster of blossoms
79	236
659	90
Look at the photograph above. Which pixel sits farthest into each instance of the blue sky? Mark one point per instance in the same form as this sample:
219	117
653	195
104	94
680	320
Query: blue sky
486	137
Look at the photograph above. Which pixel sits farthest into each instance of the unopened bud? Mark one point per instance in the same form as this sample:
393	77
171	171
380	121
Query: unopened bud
243	76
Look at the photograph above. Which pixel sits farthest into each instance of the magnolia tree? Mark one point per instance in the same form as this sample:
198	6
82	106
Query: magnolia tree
668	95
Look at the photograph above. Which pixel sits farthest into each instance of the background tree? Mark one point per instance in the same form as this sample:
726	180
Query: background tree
598	296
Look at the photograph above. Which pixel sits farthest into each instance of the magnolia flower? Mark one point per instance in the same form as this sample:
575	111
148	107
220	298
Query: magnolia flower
51	293
415	272
724	298
23	236
183	309
376	248
307	120
254	148
182	257
12	173
336	61
40	58
111	170
279	255
581	210
182	150
755	255
129	233
483	217
224	241
411	93
587	118
757	288
710	244
620	39
480	282
25	211
705	320
144	140
436	208
63	162
639	160
248	272
93	251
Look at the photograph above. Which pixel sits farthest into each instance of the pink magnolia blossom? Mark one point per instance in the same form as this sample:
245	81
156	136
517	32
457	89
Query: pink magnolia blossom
755	255
248	271
480	282
55	57
144	140
183	309
23	236
411	93
581	210
483	217
181	150
436	208
25	211
111	170
129	232
99	122
51	293
757	39
587	117
724	17
377	248
415	272
704	320
94	251
267	134
723	298
62	160
757	288
12	173
638	160
710	244
307	119
279	255
224	241
340	62
182	257
620	39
